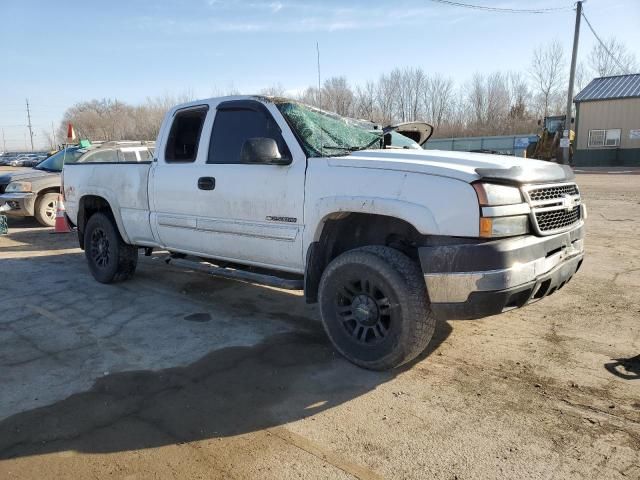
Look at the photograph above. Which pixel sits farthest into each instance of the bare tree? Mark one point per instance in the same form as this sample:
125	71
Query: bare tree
612	59
365	101
312	96
417	80
276	90
385	97
108	119
408	84
477	98
547	72
582	77
436	99
338	96
498	102
519	96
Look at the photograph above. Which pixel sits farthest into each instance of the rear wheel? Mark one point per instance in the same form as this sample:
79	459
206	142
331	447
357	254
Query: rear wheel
110	259
45	209
374	307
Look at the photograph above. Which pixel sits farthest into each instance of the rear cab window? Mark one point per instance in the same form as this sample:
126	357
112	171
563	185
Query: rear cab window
184	136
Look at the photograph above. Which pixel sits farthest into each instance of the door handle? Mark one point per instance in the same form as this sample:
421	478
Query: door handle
206	183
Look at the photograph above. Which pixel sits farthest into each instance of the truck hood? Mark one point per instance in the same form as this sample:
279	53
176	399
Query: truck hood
464	166
26	175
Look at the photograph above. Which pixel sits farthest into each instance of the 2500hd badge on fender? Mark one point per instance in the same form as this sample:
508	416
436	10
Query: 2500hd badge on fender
387	237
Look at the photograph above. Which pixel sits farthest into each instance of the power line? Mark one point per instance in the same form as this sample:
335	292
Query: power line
613	57
502	10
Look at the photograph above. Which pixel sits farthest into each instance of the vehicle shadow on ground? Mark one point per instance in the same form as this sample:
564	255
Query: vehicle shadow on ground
23	222
229	391
626	368
27	235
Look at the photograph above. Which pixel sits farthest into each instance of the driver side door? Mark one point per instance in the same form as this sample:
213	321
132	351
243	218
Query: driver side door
249	213
255	211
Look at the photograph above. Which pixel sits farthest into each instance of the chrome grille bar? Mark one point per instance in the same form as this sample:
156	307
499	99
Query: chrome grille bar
555	208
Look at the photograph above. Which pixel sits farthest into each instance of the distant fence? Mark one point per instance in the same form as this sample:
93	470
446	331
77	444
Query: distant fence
504	144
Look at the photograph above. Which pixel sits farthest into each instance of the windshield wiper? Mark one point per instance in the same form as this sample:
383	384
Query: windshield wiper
346	149
351	149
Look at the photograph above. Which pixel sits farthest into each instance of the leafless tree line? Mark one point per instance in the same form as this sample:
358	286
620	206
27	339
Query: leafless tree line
499	103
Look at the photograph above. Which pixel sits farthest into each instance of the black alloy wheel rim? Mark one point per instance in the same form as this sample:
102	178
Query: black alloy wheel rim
364	311
100	252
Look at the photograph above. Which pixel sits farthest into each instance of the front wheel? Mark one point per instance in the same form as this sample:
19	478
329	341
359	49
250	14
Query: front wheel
45	209
374	307
110	259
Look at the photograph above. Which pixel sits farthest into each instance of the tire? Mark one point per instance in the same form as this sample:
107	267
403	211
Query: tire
110	259
45	209
393	322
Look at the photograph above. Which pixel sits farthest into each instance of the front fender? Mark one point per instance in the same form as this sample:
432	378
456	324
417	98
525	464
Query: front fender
415	214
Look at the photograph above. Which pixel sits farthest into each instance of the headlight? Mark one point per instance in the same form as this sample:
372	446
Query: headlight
491	227
18	187
502	209
491	194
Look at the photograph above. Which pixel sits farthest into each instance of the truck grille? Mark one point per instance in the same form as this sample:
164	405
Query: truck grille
551	193
557	219
554	208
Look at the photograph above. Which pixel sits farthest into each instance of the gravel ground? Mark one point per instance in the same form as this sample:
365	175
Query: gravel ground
178	375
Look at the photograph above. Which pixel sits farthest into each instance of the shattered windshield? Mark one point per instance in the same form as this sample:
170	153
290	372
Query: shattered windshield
325	134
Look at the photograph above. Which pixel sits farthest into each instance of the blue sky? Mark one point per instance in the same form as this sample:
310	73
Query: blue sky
59	52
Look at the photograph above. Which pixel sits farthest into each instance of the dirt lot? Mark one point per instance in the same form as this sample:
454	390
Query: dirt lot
177	375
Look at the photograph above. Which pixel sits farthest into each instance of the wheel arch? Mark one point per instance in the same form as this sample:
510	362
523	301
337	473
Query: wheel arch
345	230
46	190
91	204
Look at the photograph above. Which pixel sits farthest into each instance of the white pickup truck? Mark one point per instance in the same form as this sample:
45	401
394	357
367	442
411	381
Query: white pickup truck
386	238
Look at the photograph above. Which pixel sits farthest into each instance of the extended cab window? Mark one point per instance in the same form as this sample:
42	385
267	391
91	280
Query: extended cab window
182	144
101	156
233	126
128	156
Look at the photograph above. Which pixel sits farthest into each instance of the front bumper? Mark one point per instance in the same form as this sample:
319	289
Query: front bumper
481	279
21	204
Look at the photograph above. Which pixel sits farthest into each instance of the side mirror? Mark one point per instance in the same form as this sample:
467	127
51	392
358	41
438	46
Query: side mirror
262	150
539	122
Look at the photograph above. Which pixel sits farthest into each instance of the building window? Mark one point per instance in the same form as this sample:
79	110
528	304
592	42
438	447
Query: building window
604	138
613	137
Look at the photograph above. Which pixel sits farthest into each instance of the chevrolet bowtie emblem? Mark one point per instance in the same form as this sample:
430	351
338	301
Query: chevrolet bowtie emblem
568	203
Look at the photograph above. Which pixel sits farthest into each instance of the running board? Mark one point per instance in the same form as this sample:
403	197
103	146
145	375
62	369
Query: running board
242	275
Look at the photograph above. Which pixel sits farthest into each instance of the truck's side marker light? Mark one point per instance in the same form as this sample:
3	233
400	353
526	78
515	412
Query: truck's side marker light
486	226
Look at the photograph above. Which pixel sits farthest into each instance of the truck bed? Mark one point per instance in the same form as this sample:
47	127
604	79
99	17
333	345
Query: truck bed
129	180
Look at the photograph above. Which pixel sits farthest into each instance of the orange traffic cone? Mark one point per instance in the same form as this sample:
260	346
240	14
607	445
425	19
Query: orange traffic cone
62	223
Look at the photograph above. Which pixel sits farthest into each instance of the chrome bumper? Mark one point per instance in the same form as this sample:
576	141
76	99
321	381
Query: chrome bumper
456	287
478	279
19	203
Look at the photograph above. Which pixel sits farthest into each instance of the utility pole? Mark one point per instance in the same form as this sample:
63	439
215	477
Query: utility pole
53	137
29	124
4	142
572	74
